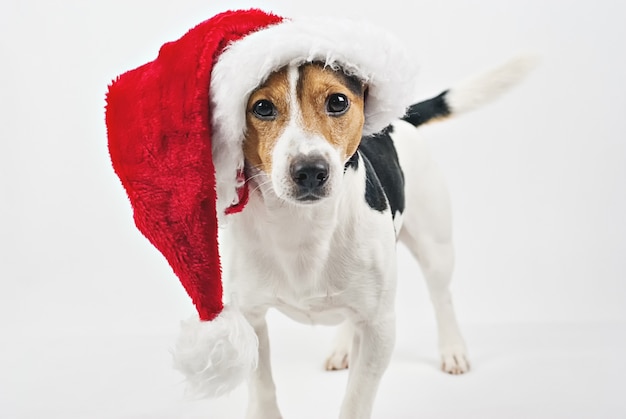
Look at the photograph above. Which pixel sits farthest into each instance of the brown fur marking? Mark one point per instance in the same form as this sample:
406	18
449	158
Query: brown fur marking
262	135
315	85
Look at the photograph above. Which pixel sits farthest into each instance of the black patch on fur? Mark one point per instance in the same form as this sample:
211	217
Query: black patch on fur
384	177
384	132
374	192
353	83
424	111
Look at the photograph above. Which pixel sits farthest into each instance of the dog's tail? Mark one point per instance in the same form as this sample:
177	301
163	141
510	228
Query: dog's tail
472	93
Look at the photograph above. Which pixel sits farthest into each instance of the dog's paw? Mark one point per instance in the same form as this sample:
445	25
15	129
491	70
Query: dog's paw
338	360
454	360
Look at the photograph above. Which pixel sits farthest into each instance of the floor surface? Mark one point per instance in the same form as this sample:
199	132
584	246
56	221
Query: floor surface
519	371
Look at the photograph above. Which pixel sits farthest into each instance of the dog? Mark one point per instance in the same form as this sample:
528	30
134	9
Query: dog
327	206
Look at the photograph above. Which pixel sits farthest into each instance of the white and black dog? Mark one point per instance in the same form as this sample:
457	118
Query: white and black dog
317	240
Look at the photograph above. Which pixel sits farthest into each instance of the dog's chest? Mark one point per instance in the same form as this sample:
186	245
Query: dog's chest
306	283
313	270
309	269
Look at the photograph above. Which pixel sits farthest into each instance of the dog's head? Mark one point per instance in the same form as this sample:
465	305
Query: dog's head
293	100
302	125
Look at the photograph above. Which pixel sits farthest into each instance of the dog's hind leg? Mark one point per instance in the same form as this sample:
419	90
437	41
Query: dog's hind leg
261	388
339	358
437	260
427	232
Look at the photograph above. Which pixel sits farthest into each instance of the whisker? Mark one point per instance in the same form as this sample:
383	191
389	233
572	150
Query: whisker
259	186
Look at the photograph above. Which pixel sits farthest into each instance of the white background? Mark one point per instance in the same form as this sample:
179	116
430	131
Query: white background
88	309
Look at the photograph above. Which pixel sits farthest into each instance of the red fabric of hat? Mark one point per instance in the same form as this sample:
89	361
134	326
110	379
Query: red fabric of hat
158	121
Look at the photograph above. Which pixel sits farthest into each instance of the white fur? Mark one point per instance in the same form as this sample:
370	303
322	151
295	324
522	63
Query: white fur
360	49
317	264
334	262
216	356
476	91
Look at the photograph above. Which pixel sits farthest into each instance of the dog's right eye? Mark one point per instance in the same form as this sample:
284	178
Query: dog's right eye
264	109
337	104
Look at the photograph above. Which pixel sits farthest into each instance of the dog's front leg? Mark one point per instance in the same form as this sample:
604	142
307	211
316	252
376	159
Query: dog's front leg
261	388
371	352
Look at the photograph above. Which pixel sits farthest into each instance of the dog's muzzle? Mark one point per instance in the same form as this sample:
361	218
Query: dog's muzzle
310	176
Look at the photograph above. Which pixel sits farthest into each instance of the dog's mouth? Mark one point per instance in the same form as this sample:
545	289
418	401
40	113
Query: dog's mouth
309	197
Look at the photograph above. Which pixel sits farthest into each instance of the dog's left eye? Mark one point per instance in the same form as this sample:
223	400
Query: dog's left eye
264	109
337	104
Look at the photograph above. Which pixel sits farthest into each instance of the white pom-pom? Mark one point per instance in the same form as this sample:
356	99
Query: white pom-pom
216	356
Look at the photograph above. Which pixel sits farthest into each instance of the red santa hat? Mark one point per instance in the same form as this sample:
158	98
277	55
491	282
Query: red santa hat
176	126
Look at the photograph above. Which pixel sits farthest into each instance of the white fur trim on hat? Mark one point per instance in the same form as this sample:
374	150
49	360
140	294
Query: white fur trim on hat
359	49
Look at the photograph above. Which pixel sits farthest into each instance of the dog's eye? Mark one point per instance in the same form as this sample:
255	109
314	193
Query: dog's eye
264	109
337	104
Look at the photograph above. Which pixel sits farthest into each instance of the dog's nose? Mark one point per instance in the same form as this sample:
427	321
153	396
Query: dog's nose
309	174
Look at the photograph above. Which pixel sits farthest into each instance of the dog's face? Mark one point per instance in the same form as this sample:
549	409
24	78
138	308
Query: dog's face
303	124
